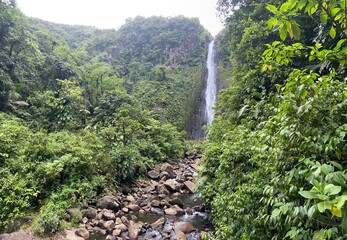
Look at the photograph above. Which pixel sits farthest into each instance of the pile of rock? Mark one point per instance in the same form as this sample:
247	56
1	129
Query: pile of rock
115	217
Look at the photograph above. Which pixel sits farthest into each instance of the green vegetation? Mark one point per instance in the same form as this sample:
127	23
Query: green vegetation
84	110
275	162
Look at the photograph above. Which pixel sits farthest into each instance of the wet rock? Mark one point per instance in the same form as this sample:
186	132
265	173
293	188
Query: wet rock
82	232
176	201
174	211
157	211
184	227
189	186
199	208
159	223
134	229
108	202
189	211
108	214
179	235
153	174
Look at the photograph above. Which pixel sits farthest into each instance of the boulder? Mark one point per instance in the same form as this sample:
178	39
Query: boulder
108	202
189	186
184	227
20	235
82	232
121	227
133	207
159	223
176	201
172	185
162	190
109	225
155	203
179	235
130	198
153	174
108	214
116	232
125	221
149	189
166	167
134	229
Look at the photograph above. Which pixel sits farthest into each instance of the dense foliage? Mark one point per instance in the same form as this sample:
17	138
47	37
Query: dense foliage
276	160
84	110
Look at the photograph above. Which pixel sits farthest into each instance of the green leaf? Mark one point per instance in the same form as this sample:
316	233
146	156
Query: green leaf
272	8
326	169
323	17
308	194
285	6
311	211
322	206
341	201
331	189
272	22
275	212
332	32
296	31
301	4
283	33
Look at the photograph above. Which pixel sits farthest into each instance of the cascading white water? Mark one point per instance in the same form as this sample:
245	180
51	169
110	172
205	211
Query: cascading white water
211	85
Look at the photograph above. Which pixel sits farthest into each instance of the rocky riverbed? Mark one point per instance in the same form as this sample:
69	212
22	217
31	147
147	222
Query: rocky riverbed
160	207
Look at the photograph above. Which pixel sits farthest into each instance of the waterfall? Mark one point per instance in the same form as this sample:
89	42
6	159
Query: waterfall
204	113
211	85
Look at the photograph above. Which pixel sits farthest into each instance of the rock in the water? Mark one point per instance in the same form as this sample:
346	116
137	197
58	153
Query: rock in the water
190	186
184	227
176	201
170	211
159	223
134	229
153	174
108	202
82	232
179	235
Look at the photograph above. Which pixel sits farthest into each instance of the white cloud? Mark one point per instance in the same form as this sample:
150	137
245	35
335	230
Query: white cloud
112	13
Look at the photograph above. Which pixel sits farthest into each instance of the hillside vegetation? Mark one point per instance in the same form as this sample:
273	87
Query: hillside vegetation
84	111
275	162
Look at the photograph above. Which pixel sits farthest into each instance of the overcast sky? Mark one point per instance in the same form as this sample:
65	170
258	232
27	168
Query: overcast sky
112	13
